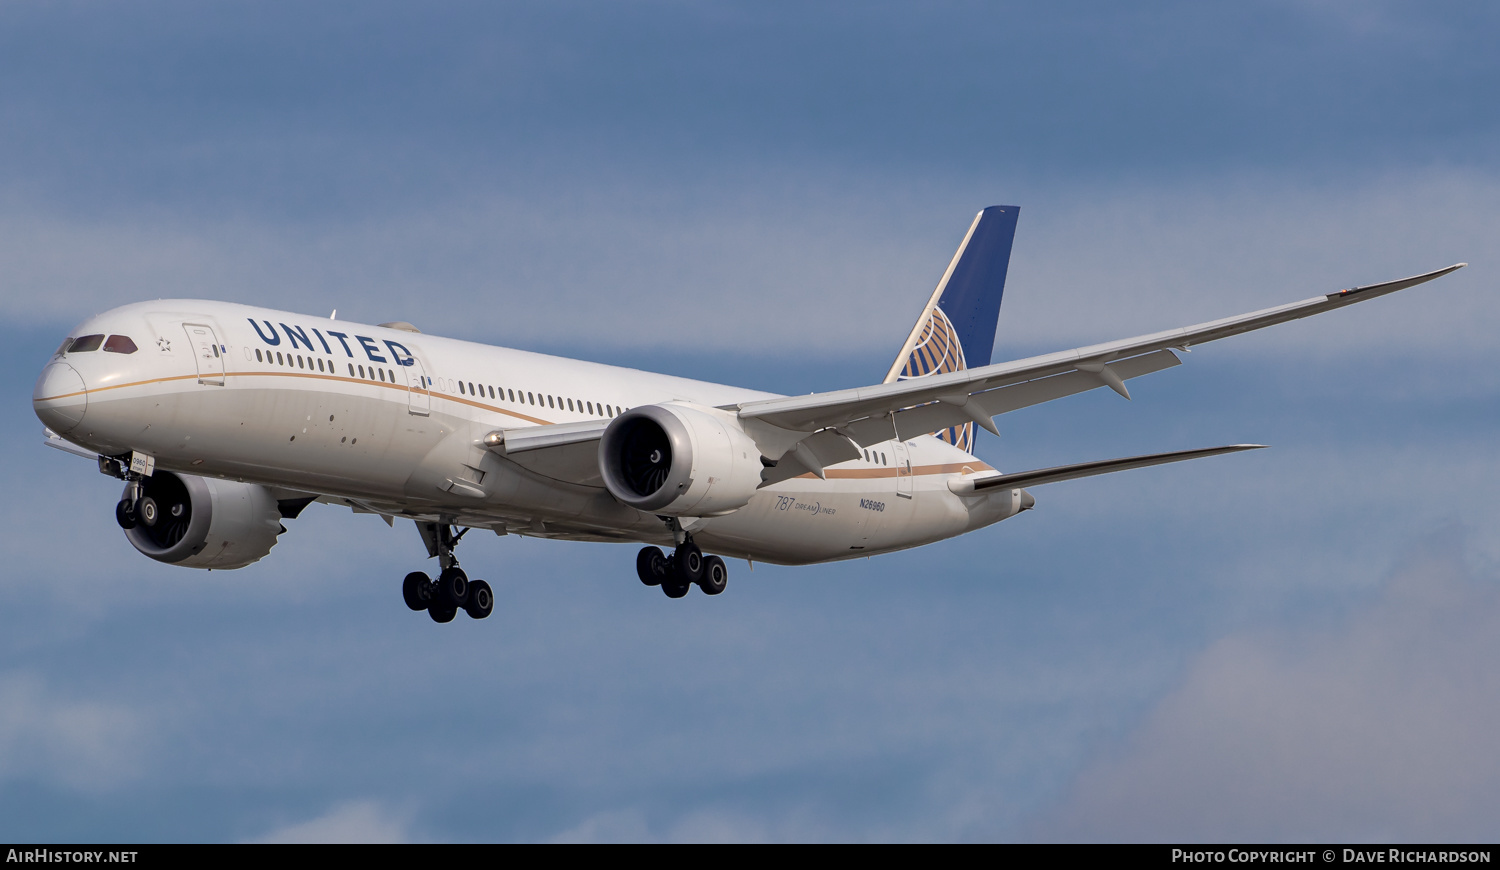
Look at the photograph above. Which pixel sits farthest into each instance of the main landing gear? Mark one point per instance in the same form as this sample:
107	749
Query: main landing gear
685	568
453	590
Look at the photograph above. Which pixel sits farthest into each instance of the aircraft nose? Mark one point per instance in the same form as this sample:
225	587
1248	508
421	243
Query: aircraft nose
59	397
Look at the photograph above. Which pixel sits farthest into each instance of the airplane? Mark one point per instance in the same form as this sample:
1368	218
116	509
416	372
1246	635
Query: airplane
226	420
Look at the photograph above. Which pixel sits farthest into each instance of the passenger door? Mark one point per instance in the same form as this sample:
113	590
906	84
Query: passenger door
903	469
418	392
207	353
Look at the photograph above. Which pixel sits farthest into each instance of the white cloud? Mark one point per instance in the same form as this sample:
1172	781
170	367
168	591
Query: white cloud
612	826
364	821
1380	729
87	745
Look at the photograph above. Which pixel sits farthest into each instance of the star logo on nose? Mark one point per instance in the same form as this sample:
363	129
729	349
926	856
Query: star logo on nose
163	343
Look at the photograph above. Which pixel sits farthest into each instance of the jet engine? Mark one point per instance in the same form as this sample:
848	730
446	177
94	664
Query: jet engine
678	459
201	522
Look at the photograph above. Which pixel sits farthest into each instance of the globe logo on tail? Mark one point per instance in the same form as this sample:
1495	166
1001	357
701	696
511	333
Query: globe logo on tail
939	351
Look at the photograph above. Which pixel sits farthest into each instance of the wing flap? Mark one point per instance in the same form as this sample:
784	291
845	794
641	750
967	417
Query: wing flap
931	417
813	453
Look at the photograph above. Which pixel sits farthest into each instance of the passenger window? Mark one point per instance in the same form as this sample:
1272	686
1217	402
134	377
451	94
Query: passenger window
299	361
361	371
278	359
512	395
530	398
549	402
351	370
492	392
570	404
120	344
86	344
257	355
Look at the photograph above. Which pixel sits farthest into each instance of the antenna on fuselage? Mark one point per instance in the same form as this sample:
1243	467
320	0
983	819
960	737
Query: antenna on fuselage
334	315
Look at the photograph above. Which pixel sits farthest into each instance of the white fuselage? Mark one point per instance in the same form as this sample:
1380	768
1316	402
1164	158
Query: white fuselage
393	421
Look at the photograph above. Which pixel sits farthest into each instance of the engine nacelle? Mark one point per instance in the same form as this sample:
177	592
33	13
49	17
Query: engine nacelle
678	459
202	522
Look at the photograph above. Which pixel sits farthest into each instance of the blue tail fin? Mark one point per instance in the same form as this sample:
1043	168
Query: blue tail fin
958	325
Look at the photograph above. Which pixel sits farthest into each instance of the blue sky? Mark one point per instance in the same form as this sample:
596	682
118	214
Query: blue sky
1274	646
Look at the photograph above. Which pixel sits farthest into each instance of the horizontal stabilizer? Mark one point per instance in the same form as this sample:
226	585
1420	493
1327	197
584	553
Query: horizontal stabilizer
1103	466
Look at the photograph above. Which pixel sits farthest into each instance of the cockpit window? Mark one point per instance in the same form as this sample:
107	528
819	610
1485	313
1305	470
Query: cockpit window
120	344
63	348
86	343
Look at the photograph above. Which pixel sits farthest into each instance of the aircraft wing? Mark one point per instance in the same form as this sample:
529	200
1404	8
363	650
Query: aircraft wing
561	451
905	409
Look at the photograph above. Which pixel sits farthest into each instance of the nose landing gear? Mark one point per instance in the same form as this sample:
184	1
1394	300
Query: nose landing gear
128	510
453	590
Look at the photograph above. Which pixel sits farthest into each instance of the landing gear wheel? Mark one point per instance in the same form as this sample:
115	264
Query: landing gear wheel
452	588
651	566
689	562
670	584
481	600
715	576
417	590
148	511
125	514
442	614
